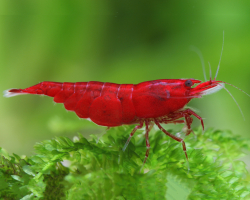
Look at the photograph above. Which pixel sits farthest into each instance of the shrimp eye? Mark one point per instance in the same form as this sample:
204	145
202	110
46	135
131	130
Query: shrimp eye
188	83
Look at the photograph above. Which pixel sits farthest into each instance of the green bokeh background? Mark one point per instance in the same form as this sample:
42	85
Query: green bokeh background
121	42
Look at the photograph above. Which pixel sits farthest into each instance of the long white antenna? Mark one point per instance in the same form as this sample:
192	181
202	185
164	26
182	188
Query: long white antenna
220	58
235	87
234	100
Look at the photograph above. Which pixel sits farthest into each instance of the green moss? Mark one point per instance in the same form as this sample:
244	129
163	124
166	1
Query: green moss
99	169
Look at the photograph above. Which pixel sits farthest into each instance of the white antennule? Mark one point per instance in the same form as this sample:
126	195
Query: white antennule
7	93
210	71
220	58
196	50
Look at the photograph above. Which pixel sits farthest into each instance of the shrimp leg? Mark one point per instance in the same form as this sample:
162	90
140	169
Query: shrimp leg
188	119
175	138
149	126
131	135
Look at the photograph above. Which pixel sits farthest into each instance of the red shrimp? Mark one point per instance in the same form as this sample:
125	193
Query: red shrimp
110	104
151	102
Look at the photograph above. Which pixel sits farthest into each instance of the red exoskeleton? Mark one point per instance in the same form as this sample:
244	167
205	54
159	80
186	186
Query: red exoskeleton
109	104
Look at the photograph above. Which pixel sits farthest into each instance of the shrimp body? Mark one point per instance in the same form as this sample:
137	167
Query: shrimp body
110	104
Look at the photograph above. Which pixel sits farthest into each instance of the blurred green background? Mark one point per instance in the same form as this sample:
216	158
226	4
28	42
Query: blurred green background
122	42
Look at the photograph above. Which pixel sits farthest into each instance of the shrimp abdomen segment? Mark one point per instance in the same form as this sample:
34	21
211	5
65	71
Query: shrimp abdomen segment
106	110
79	89
92	91
67	89
125	96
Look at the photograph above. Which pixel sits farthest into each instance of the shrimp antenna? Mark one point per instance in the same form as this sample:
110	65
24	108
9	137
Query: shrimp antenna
220	58
210	71
234	100
196	50
234	87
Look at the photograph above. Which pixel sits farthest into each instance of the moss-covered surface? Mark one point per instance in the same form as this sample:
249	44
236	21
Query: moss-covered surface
99	169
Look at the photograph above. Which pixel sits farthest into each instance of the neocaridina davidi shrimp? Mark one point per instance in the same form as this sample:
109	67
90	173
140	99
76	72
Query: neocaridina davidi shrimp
109	104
